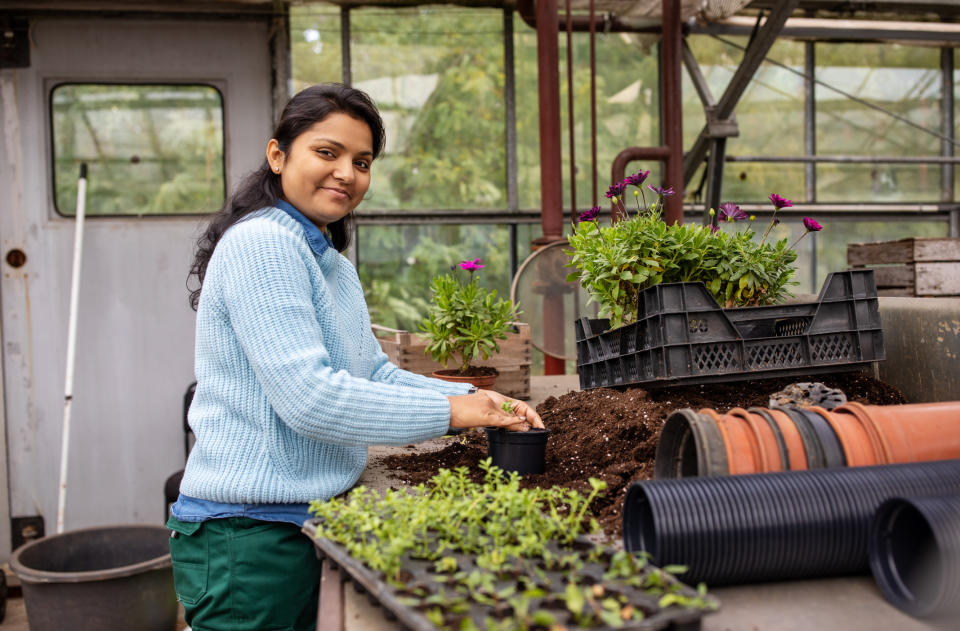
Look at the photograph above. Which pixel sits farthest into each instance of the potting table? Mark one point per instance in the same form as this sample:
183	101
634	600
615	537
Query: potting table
849	603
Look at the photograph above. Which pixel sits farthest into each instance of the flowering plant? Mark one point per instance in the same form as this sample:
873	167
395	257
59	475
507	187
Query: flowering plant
615	263
465	319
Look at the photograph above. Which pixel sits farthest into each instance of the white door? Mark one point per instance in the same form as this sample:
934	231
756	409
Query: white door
135	328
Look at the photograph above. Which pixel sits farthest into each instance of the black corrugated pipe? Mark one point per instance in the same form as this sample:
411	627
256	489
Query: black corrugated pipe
915	554
772	526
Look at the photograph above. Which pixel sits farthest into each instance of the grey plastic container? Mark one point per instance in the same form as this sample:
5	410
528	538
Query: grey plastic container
112	577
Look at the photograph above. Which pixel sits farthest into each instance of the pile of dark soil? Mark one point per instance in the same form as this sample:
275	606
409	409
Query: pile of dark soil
612	434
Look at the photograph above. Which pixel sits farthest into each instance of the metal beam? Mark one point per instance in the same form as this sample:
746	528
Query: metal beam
672	114
851	159
548	91
836	29
752	59
946	123
809	120
718	147
699	82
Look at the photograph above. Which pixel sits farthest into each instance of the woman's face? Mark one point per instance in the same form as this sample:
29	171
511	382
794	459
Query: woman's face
326	172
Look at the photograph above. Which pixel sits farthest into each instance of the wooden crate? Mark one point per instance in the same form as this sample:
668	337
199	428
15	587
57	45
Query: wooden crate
911	267
408	351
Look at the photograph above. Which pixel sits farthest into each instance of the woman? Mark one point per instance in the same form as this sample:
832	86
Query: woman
291	384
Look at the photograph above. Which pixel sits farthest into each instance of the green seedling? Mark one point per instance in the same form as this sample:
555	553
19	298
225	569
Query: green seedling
508	534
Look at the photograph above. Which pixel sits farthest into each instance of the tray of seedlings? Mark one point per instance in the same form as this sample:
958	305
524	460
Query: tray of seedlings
454	554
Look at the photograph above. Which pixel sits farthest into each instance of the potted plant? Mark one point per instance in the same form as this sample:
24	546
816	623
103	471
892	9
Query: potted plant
523	452
617	262
693	303
464	322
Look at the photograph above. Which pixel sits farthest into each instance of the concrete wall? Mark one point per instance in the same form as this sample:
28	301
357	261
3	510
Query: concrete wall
922	339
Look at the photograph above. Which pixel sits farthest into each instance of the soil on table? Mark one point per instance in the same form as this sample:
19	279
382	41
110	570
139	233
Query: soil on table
472	371
612	434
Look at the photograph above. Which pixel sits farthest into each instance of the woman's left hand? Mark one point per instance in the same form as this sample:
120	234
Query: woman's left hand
519	408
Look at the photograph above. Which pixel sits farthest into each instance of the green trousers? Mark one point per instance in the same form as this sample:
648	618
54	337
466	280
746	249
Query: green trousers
240	574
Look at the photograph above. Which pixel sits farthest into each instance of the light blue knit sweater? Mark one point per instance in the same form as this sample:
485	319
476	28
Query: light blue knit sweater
291	383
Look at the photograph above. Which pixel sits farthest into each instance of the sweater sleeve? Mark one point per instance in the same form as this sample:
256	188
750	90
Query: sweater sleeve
386	372
267	294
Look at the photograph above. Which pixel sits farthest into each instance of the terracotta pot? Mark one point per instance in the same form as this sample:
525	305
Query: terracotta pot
712	414
797	453
877	440
858	436
918	432
484	382
743	450
766	441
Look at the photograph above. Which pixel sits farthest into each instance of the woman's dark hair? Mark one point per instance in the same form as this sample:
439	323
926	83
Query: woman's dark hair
261	188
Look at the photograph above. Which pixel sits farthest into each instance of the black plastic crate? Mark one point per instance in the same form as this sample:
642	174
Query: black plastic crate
682	335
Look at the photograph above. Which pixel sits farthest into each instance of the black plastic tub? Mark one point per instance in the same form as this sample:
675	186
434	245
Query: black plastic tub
112	577
682	335
915	554
523	452
771	526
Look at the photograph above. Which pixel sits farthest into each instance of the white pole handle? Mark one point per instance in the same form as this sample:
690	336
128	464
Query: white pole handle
71	341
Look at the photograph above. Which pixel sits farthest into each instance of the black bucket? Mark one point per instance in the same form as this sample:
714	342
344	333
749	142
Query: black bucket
523	452
770	526
915	554
112	577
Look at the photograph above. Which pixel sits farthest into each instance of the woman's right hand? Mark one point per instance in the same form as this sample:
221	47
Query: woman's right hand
479	410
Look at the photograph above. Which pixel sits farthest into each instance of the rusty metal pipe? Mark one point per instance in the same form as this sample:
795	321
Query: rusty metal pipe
619	169
672	114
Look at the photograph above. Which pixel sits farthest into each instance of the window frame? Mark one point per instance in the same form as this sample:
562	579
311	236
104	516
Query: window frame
52	173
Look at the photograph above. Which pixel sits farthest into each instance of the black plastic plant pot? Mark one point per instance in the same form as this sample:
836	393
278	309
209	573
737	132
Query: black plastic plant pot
690	445
773	526
915	554
523	452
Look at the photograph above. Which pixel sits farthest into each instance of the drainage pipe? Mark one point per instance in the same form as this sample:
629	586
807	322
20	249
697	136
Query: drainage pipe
915	554
772	526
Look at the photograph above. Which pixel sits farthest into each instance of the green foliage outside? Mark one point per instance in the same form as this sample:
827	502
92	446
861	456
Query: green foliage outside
150	149
437	73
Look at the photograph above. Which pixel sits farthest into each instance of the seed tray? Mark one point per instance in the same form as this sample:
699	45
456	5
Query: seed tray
681	335
424	588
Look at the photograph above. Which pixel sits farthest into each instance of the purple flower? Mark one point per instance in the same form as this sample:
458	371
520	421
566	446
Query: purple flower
714	228
731	212
471	266
779	202
659	190
811	225
590	215
616	190
637	178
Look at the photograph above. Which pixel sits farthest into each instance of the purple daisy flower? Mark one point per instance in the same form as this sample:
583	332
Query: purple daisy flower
731	212
590	215
779	202
811	225
616	190
659	190
637	178
471	266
